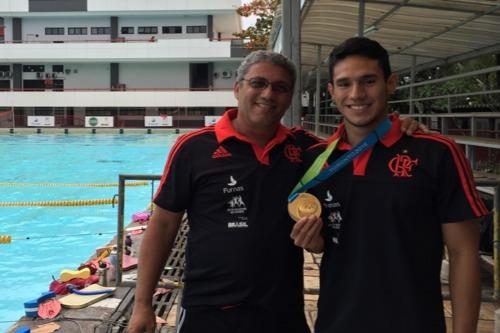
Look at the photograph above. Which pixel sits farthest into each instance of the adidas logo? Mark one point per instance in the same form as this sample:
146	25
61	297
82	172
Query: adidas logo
221	152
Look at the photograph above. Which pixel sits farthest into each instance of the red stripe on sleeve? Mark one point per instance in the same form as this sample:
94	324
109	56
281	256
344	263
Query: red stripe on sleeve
175	148
464	171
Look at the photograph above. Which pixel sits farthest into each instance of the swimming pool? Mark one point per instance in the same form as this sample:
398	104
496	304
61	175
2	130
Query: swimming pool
63	237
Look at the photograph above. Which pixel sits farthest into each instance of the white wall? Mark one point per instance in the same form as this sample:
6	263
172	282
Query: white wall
142	5
34	28
155	75
119	99
161	50
12	6
87	76
15	7
7	21
220	82
160	21
226	25
80	76
170	75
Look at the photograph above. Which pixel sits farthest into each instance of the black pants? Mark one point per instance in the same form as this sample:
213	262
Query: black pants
240	319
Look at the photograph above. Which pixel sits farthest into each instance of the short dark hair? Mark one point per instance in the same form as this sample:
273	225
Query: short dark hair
360	46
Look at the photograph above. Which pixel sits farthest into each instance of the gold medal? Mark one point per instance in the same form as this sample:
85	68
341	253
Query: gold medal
305	204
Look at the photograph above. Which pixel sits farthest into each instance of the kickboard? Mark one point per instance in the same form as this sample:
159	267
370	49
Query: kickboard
74	301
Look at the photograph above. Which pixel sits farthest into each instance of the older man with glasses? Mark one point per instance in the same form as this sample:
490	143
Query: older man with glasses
243	273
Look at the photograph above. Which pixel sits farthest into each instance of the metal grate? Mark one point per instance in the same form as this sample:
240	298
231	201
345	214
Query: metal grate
162	304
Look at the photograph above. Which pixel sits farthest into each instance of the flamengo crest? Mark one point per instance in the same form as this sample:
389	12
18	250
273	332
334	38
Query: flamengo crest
402	165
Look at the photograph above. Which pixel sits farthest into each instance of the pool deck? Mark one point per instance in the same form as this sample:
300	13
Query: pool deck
91	130
113	313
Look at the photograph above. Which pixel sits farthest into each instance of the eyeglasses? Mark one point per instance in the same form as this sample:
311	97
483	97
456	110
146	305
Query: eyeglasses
261	84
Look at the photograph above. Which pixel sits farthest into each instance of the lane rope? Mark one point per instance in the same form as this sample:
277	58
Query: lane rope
7	239
90	202
47	184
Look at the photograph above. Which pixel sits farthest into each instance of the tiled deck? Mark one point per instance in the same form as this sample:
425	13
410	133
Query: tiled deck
311	273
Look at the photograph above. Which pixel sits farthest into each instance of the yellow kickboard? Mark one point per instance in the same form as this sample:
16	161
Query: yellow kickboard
74	301
67	274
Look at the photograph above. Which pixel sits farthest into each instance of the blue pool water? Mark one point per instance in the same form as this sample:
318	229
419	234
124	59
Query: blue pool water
63	237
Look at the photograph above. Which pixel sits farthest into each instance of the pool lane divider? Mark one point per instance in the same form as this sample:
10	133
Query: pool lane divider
7	239
46	184
90	202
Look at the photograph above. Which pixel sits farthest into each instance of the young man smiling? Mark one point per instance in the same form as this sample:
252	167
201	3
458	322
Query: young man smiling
388	212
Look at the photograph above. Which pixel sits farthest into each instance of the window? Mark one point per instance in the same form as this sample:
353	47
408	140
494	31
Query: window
100	30
196	29
57	68
147	30
34	68
101	111
172	30
54	31
42	111
196	111
132	111
77	31
127	30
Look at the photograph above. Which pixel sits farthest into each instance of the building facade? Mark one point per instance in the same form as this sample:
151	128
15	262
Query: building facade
71	59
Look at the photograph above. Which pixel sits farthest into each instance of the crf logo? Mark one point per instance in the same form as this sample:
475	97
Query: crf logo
401	165
293	153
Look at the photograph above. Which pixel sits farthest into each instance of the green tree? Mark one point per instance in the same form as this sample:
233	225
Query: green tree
482	82
257	36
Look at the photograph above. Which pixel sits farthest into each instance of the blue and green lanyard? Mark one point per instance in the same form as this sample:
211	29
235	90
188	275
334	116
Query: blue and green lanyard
314	175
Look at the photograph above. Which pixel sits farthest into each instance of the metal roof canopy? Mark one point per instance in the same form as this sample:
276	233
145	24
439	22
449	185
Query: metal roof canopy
424	32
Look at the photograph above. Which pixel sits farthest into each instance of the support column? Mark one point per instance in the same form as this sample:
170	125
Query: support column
361	18
17	77
17	30
496	252
114	28
469	150
114	70
497	57
291	48
210	27
210	74
318	90
2	24
497	321
444	125
412	89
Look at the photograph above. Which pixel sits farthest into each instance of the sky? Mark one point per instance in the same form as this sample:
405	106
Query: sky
247	21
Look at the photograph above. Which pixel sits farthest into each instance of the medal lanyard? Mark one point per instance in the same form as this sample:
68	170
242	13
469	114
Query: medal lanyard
315	176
